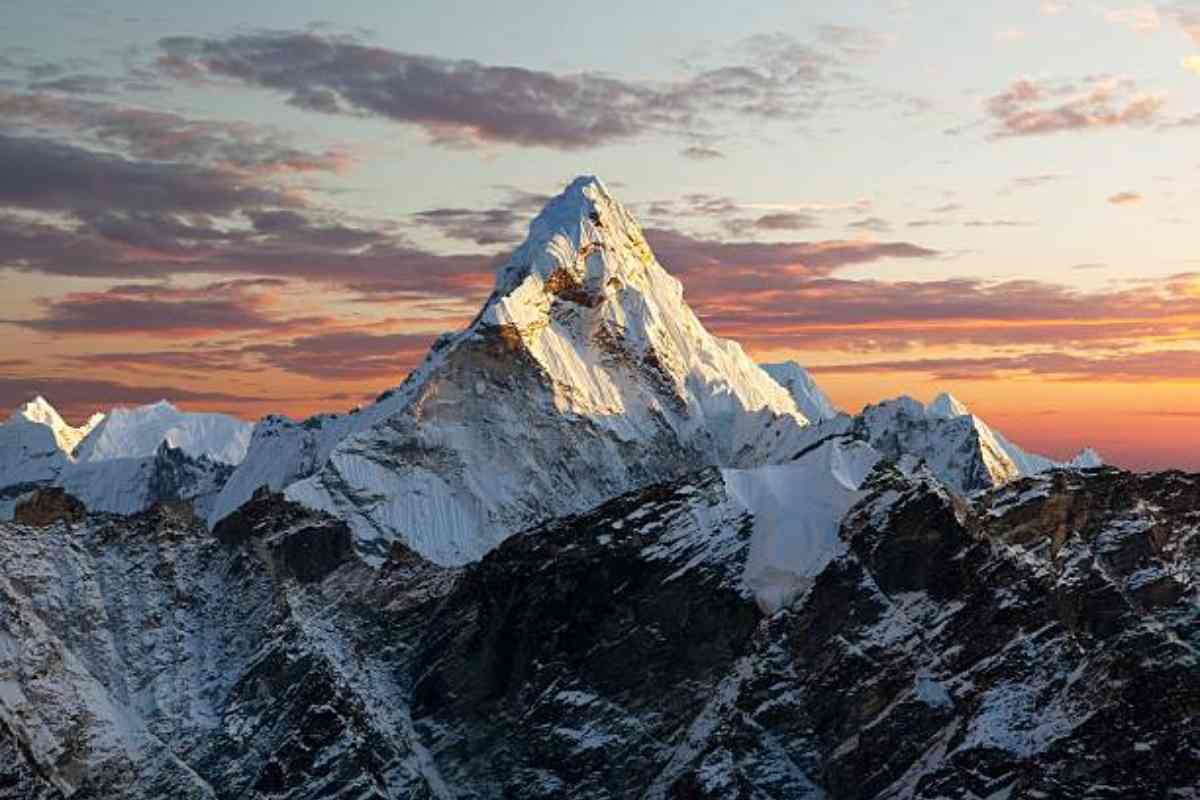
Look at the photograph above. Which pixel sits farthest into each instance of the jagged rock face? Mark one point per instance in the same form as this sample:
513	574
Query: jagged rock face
958	448
1039	640
29	454
44	507
282	452
142	657
585	375
954	652
574	643
132	485
298	543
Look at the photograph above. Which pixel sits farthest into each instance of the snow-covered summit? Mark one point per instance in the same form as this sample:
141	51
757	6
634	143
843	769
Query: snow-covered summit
1087	458
809	397
961	449
584	291
138	432
585	375
38	410
947	406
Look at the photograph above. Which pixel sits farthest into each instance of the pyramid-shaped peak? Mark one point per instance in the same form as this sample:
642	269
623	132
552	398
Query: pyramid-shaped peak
584	207
947	406
583	244
1087	458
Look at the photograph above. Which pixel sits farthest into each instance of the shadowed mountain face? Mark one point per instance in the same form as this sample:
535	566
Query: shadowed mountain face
1040	640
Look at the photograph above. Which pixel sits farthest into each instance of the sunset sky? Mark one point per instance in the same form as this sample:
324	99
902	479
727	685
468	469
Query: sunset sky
257	208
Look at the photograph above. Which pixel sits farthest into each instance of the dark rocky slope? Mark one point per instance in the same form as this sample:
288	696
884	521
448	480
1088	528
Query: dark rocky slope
1040	641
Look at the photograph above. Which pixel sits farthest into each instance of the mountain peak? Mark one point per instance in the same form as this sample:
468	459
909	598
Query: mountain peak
947	406
583	245
586	340
137	432
1087	458
38	410
809	397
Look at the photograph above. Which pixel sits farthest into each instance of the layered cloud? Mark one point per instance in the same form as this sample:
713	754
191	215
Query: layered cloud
138	309
77	398
164	136
1139	19
461	101
1187	17
1031	107
347	355
1146	366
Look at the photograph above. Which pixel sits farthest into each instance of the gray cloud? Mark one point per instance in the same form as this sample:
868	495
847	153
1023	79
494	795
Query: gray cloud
1125	367
347	355
701	153
786	221
50	176
730	264
136	309
162	136
873	224
463	101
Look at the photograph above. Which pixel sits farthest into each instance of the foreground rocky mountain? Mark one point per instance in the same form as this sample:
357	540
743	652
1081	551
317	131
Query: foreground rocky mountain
1040	640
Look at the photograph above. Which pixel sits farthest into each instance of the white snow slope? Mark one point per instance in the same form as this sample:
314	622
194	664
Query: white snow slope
798	509
29	453
584	376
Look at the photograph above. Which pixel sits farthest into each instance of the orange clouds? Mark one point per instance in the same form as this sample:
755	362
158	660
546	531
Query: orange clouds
1033	108
1125	198
1142	19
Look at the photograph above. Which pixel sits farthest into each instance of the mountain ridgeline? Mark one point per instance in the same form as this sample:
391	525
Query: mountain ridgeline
587	549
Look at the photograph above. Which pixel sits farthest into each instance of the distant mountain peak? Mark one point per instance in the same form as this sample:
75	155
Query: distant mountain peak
137	433
947	406
37	410
1087	458
41	412
809	397
959	447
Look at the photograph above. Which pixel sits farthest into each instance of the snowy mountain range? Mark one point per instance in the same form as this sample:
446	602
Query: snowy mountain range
121	462
586	549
